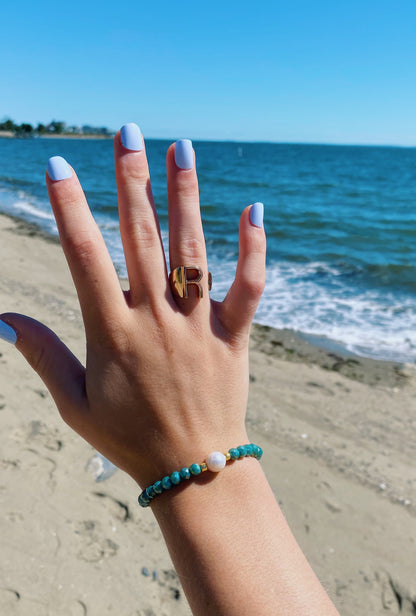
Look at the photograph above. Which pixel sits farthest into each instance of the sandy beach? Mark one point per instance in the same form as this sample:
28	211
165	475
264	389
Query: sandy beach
338	434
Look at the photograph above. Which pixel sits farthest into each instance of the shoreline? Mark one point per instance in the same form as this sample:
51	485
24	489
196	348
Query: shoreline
293	346
11	135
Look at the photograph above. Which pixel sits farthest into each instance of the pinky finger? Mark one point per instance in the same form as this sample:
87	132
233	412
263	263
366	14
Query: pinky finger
239	306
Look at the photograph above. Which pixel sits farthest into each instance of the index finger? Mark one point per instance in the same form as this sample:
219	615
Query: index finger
95	278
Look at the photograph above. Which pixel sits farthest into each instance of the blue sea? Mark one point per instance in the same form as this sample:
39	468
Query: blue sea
340	223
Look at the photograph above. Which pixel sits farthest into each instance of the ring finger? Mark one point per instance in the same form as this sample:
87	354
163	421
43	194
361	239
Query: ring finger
186	237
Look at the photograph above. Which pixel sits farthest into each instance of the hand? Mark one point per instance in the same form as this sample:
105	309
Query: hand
166	382
166	379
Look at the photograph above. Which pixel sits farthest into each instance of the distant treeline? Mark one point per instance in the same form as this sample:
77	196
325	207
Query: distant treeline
53	128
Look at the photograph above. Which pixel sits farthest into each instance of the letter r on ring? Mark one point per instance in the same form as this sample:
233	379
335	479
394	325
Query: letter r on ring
181	280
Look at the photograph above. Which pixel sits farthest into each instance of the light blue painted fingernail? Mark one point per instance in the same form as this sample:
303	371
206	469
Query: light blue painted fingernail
7	333
256	214
131	137
184	154
58	168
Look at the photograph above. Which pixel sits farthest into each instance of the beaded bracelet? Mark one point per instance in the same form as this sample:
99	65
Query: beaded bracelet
215	462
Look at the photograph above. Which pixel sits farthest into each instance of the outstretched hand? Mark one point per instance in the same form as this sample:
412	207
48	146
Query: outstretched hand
166	378
166	382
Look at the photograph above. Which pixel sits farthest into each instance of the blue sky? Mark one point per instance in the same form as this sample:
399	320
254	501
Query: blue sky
293	71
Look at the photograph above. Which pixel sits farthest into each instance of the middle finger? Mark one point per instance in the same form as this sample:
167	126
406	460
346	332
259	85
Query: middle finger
139	226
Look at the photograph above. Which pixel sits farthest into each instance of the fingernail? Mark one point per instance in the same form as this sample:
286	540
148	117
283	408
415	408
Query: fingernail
184	154
58	168
7	333
256	214
131	137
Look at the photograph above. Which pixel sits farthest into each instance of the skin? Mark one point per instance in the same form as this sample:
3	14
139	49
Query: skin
166	382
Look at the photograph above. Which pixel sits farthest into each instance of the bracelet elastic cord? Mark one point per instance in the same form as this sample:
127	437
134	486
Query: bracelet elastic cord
215	462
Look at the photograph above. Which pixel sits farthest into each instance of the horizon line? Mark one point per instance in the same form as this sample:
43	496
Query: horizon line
271	142
111	134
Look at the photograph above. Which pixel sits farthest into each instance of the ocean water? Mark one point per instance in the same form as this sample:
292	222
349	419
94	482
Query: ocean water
340	223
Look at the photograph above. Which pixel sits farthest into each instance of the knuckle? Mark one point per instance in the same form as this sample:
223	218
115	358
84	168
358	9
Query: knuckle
82	246
136	177
191	248
133	173
143	233
254	286
38	359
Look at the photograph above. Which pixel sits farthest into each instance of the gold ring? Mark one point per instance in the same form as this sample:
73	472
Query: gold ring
183	276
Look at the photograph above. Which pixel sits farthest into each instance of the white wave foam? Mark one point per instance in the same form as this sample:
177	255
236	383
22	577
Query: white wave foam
314	298
367	322
29	208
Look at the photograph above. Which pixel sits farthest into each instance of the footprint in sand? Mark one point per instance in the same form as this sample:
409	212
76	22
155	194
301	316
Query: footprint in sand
41	434
93	545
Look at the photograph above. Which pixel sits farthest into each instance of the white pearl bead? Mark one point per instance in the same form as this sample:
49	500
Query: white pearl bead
216	461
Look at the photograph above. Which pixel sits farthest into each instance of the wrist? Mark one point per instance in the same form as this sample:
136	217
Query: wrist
174	454
204	497
214	463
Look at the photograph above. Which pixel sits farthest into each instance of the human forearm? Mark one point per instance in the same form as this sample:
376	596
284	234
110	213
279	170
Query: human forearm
248	561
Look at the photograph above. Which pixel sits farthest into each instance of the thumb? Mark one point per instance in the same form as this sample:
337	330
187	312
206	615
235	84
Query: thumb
58	368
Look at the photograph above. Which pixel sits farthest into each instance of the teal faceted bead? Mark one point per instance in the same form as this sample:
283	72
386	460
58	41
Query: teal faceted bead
166	483
143	502
249	449
158	488
195	469
234	453
175	478
185	473
150	492
144	498
243	451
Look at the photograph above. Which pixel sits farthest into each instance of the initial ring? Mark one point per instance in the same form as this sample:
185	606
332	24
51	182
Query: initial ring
183	276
